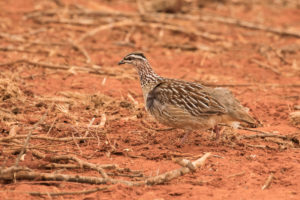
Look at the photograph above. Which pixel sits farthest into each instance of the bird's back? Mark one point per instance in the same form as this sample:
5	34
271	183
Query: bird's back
179	103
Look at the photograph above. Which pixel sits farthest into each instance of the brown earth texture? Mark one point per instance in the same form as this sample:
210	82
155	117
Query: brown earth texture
73	123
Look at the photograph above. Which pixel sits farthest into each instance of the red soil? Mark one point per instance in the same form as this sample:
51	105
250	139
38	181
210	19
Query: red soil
270	95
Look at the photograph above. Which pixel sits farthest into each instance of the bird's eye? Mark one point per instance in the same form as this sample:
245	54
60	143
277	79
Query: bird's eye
129	58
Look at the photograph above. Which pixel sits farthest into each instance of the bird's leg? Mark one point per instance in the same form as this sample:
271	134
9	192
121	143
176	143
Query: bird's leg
186	135
218	131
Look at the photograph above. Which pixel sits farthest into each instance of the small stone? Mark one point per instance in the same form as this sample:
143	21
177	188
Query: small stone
41	104
16	110
168	6
125	104
297	107
295	117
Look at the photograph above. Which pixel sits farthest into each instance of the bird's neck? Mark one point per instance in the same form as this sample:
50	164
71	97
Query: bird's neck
146	74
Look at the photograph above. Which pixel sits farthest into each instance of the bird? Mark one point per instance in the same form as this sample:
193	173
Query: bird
187	105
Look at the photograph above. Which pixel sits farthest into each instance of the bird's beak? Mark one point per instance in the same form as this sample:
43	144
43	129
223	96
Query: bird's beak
121	62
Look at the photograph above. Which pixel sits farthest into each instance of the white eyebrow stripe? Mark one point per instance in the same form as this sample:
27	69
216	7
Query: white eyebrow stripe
137	56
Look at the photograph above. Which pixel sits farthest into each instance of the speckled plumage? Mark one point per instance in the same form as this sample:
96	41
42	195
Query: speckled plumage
186	105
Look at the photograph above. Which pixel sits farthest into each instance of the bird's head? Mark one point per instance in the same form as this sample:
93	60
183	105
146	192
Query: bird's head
134	59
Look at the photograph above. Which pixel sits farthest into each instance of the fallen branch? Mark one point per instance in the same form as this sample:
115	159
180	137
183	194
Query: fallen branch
176	173
81	163
68	193
24	175
13	169
251	85
185	163
290	140
65	139
82	11
20	39
88	165
159	16
279	141
263	136
257	146
58	166
73	166
22	49
13	173
12	37
38	154
76	22
92	69
230	21
249	25
148	24
190	47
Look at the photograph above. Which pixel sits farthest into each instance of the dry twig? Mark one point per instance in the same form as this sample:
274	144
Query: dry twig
268	182
26	142
235	175
265	66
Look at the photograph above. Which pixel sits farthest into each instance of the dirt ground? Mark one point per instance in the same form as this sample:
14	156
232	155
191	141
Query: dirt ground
83	116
